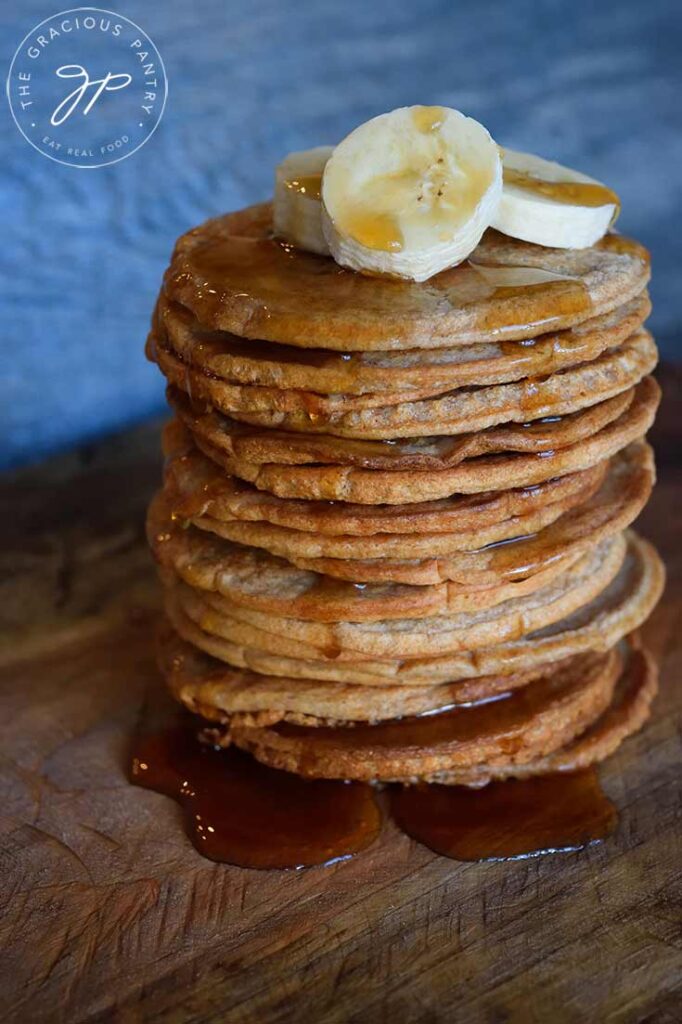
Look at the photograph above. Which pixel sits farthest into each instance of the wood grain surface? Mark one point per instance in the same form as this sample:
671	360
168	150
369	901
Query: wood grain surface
108	913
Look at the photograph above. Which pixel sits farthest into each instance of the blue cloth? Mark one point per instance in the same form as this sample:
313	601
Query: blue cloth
595	85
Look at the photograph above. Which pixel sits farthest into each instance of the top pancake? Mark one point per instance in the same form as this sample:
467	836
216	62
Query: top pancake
234	276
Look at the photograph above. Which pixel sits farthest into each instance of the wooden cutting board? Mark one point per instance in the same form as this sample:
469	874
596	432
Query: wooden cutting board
108	913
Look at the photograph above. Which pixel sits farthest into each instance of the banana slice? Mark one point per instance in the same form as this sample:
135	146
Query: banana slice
297	207
410	192
551	205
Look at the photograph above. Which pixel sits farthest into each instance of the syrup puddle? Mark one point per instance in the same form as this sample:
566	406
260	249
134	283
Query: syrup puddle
240	812
507	820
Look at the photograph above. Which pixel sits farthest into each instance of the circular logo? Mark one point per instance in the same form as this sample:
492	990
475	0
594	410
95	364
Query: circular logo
87	87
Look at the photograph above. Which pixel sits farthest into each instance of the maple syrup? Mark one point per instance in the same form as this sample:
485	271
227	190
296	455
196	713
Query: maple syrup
306	185
507	820
613	242
518	557
276	287
506	714
427	119
241	812
579	193
238	811
562	295
373	229
543	354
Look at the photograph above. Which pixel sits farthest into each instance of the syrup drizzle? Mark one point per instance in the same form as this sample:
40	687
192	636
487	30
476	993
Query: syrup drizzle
613	242
306	185
502	298
479	723
580	193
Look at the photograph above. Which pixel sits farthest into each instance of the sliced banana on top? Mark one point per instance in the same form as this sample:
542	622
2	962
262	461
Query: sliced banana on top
551	205
297	207
410	193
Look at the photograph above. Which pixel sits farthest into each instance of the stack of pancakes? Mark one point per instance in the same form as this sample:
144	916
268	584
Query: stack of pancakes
394	532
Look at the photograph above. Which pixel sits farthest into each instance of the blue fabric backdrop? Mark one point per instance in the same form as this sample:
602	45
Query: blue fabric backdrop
596	85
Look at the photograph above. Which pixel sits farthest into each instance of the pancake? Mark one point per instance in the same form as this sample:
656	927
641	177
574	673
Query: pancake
599	625
483	473
294	544
261	445
393	638
235	397
321	372
517	547
217	691
199	488
455	412
255	579
234	276
531	722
